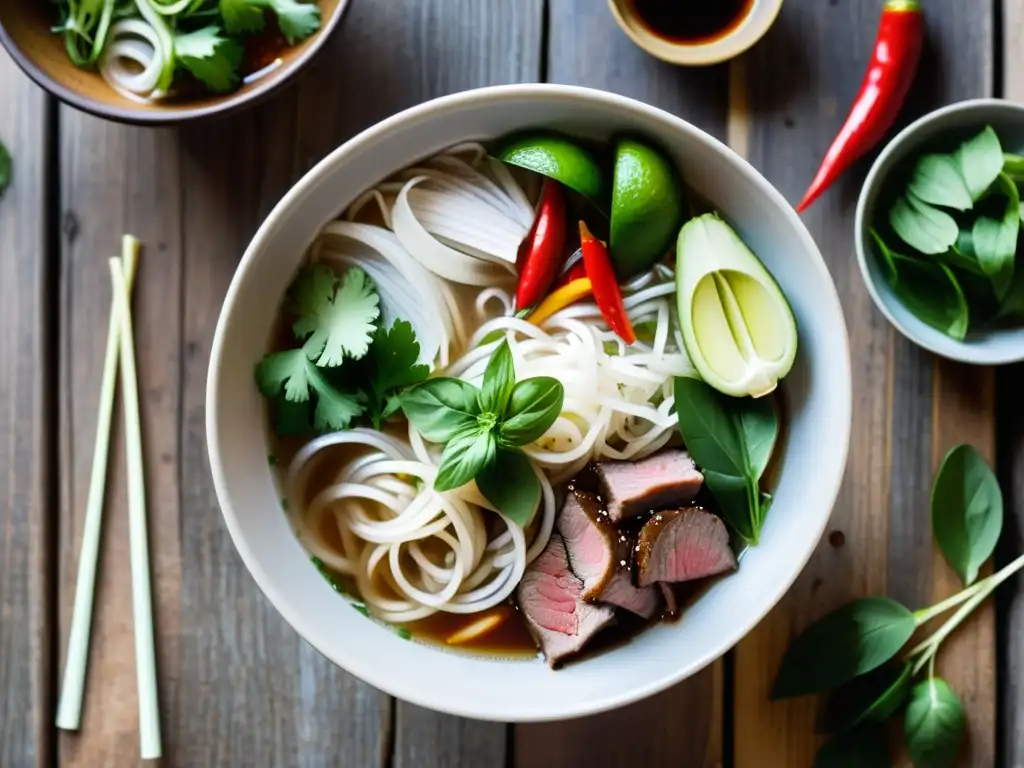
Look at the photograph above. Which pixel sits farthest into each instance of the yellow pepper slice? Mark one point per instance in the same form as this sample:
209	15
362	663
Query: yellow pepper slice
560	299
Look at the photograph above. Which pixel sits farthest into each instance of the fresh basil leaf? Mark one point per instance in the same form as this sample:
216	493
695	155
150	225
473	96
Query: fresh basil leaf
440	408
933	727
733	495
710	428
850	641
967	511
1012	304
499	379
532	409
937	180
465	456
511	485
863	747
885	255
759	423
932	294
980	160
995	240
922	227
869	698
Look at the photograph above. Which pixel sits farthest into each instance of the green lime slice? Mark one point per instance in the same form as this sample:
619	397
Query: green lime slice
558	158
647	207
737	326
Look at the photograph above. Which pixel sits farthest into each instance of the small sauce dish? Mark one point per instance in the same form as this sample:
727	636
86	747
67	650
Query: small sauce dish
695	33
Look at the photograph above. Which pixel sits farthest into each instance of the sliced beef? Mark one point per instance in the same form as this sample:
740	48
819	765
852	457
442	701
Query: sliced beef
666	479
602	556
682	545
668	592
550	597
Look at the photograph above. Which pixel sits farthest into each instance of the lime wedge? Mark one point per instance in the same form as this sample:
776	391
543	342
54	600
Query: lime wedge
737	326
558	158
647	207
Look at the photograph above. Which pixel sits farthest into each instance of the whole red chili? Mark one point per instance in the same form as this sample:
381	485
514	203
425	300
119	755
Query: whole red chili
605	285
540	254
890	73
575	272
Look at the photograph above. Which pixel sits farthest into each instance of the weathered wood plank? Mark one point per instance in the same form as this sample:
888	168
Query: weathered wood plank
114	180
801	79
1010	434
585	47
27	426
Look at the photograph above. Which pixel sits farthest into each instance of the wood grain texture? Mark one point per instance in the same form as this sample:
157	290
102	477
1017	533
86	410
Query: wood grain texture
116	180
27	426
800	83
1010	437
585	47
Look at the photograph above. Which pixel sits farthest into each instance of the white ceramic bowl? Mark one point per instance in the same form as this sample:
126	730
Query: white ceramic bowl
817	393
947	126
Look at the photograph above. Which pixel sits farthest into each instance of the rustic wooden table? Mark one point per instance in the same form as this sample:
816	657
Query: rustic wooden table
238	687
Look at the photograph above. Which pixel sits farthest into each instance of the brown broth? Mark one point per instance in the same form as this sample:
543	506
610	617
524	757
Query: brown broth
509	639
692	22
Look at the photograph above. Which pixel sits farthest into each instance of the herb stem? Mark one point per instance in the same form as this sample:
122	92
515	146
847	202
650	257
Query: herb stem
925	615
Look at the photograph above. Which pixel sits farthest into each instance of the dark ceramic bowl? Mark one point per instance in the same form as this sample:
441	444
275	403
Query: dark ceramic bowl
25	31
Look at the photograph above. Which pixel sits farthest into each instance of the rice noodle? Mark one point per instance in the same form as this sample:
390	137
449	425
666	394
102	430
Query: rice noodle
134	59
381	540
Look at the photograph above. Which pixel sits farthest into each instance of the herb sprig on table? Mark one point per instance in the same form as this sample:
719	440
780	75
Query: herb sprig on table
858	653
483	430
950	240
6	164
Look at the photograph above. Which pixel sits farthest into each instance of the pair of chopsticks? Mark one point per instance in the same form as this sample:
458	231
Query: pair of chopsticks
120	344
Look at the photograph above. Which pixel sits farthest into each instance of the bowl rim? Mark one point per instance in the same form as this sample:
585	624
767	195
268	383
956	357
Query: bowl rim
941	345
227	104
375	675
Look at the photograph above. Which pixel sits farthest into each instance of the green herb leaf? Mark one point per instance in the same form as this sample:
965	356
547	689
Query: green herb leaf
937	180
995	240
465	455
731	440
441	408
511	485
922	227
292	372
933	727
499	379
532	409
967	511
1013	166
980	160
212	58
241	16
291	419
869	698
333	322
391	366
6	166
863	747
932	293
850	641
328	575
886	256
297	20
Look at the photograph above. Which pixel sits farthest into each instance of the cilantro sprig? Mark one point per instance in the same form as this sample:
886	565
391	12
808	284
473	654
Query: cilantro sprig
348	368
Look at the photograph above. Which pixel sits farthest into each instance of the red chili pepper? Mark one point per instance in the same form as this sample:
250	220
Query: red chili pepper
576	272
890	73
605	285
540	254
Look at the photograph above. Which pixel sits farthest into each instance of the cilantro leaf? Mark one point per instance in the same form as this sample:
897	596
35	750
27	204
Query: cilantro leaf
393	357
5	168
297	20
213	59
334	322
293	372
242	16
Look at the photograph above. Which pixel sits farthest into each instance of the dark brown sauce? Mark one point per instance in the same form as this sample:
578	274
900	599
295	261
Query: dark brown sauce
692	21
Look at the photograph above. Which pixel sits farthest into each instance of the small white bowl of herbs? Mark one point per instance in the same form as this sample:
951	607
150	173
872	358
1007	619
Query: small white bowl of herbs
939	232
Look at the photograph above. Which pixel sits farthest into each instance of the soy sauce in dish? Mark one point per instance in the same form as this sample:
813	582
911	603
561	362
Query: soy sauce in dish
692	21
